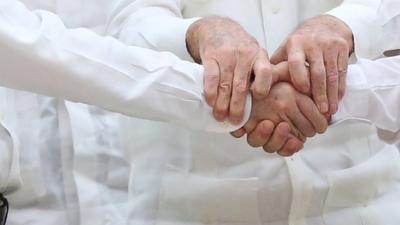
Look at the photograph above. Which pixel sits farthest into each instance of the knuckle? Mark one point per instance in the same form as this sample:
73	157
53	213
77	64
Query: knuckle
240	87
225	87
293	40
284	106
237	107
318	72
321	97
342	71
212	77
245	50
266	129
324	40
259	91
295	61
333	77
340	42
263	70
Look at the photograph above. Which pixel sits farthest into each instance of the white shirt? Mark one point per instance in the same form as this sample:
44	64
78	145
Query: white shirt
271	21
81	172
41	55
347	174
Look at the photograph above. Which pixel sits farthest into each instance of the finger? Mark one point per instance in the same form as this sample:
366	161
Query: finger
280	73
298	70
261	134
301	123
332	79
211	81
292	146
280	55
318	80
227	65
278	139
311	112
250	125
343	62
240	85
263	75
238	133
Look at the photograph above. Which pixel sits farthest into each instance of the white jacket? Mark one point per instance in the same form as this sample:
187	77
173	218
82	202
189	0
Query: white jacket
347	174
42	53
78	164
49	49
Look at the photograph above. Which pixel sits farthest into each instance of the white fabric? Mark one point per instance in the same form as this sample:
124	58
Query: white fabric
78	65
348	174
39	54
270	22
81	165
373	93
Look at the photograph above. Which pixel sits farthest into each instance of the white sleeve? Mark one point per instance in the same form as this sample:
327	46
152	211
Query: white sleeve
372	23
38	54
373	94
154	24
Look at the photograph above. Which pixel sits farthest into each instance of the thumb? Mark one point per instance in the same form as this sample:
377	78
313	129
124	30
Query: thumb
280	55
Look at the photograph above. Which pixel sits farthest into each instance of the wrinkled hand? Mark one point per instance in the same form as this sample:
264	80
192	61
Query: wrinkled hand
229	55
281	121
323	43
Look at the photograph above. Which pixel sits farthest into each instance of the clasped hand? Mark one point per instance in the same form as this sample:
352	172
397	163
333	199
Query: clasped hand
293	94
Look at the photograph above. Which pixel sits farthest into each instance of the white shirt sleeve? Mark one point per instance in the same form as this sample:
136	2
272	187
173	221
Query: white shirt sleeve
164	17
372	23
38	54
373	94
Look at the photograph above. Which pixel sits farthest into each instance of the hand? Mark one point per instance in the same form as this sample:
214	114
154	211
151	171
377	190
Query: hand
325	43
273	137
288	110
228	54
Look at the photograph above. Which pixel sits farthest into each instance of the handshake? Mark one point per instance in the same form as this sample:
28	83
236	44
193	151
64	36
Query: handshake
293	94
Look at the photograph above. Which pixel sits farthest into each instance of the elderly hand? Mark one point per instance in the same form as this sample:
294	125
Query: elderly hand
229	55
281	122
323	43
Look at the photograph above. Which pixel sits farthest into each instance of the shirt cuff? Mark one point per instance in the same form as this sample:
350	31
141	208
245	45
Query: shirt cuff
226	126
366	28
354	105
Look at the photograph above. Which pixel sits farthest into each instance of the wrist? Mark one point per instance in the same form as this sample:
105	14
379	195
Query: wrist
344	31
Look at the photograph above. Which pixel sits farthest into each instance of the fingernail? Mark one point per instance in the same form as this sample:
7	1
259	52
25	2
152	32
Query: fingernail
284	153
323	107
